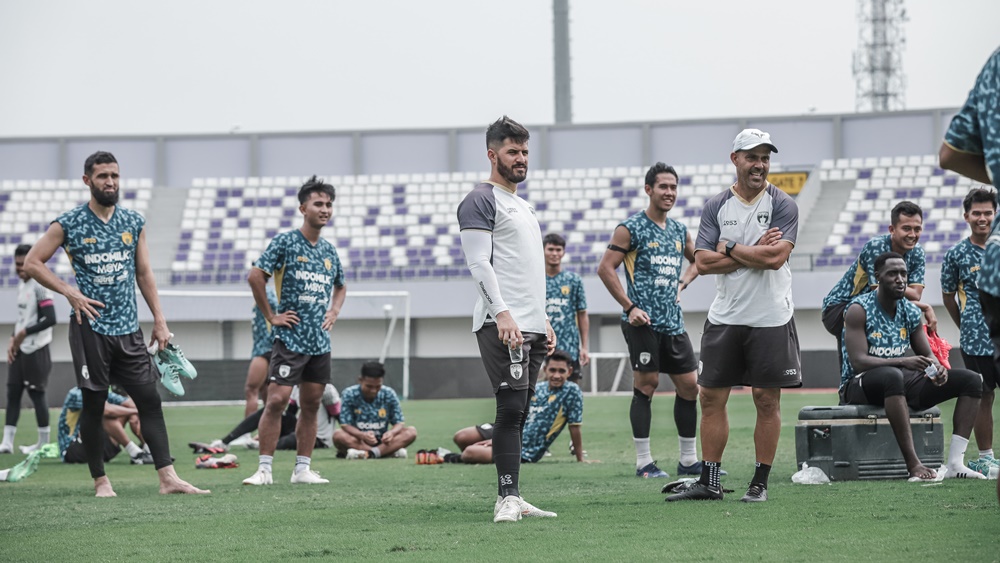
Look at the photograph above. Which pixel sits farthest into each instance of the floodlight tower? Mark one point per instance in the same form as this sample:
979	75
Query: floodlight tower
560	48
878	61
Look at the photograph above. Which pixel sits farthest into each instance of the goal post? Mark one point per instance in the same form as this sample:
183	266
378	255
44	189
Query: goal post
388	305
606	370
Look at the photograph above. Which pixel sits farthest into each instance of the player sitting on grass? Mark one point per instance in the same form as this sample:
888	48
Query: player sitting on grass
118	412
326	418
557	403
879	328
371	421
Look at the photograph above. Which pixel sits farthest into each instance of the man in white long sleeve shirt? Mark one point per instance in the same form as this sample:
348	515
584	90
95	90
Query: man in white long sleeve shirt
503	247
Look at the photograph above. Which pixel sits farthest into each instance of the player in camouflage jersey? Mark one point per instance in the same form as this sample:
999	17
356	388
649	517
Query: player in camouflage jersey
566	305
371	420
309	282
653	248
907	221
879	328
972	148
260	356
959	272
557	403
106	244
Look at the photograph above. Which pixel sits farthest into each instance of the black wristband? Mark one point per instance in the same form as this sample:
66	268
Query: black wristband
629	310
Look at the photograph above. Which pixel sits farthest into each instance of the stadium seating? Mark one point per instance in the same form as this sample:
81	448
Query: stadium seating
882	183
28	206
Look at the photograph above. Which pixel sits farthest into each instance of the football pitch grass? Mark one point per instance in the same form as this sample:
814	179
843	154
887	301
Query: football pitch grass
388	509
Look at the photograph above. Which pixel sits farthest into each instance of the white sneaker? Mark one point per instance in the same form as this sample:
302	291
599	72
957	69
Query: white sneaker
507	509
28	449
219	444
400	453
308	477
6	448
963	472
528	509
261	477
253	444
243	440
356	454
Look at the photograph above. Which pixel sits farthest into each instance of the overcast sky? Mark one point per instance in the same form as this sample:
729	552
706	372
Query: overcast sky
186	66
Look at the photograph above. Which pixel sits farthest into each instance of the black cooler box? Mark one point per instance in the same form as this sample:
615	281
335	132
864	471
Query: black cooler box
850	442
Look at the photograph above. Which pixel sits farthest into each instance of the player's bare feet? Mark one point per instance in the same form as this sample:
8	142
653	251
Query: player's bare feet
171	484
102	487
922	472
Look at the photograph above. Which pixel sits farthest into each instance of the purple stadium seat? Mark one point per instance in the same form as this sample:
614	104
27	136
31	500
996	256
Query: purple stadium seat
398	200
399	189
616	183
541	206
871	195
424	220
864	173
369	221
576	216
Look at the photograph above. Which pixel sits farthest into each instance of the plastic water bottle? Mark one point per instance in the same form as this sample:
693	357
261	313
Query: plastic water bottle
516	354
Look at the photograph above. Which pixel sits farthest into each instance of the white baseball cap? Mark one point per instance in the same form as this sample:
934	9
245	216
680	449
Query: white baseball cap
750	138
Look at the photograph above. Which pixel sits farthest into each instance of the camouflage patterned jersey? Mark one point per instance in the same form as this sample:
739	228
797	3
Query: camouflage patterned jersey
263	338
961	268
653	268
888	337
859	278
549	412
563	298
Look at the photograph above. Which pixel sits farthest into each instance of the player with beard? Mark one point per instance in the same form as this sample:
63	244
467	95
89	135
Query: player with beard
503	248
879	328
653	247
959	275
107	246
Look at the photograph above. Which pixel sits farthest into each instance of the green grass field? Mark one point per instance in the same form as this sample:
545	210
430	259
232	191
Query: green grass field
392	508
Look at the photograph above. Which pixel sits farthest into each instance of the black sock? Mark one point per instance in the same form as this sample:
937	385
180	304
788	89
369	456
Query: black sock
511	409
92	430
154	429
640	414
248	424
685	417
710	474
760	474
41	407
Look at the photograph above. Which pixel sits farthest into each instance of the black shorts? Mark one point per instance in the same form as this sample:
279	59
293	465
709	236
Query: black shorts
76	453
984	366
496	359
290	368
265	355
575	373
870	387
31	370
734	355
100	360
485	430
833	318
652	351
991	313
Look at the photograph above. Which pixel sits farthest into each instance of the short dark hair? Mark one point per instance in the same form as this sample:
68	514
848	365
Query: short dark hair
907	208
560	356
372	369
503	129
554	240
657	169
22	250
979	195
315	185
99	157
885	257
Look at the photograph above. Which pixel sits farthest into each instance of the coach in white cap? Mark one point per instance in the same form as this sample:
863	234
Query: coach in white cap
746	236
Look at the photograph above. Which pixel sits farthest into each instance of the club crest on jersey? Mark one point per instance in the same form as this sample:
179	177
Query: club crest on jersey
677	245
902	332
381	413
127	237
644	358
763	218
516	371
564	289
552	398
284	370
328	263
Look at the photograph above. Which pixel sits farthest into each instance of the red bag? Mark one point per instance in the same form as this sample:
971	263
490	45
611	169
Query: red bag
939	346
